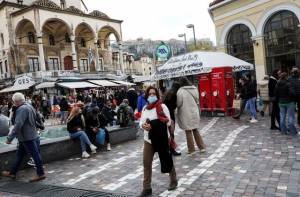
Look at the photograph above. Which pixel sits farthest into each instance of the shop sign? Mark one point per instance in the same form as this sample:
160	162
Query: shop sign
163	52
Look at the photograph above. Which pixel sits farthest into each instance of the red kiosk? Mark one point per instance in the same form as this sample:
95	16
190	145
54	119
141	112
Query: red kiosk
215	76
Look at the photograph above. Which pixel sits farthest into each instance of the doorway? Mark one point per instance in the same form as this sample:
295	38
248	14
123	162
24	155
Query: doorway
68	63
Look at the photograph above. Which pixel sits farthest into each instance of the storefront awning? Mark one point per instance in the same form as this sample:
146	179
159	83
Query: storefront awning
125	83
21	83
45	85
77	85
199	62
104	83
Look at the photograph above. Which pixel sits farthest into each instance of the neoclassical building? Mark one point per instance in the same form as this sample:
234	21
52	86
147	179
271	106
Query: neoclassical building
56	37
263	32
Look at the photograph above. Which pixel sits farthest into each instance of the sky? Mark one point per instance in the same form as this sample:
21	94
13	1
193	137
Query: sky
158	19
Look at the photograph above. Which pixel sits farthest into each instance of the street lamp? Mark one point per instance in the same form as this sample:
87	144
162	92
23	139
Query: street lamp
192	26
183	35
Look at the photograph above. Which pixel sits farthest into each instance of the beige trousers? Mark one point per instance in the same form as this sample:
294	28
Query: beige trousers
190	142
148	158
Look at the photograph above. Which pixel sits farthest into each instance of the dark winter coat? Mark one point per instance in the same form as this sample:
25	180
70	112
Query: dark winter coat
295	83
271	86
160	142
284	92
64	105
171	102
132	97
76	123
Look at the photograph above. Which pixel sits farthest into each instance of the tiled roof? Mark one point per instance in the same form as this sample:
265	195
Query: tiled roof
97	13
47	4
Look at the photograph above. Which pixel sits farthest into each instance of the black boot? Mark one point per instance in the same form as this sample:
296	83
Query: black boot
175	153
146	192
173	185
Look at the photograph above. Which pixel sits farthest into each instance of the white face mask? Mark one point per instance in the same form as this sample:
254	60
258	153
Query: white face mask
152	99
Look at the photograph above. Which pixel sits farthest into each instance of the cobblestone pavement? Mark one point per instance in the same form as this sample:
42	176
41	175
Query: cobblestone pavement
242	159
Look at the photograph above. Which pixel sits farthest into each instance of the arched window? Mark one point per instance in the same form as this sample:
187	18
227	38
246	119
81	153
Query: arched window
51	40
31	38
98	43
282	41
82	42
239	43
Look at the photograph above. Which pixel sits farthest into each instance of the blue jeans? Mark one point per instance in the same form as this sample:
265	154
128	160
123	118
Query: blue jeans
83	139
63	117
250	105
289	110
31	147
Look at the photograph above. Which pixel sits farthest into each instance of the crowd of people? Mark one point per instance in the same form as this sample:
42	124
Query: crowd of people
278	93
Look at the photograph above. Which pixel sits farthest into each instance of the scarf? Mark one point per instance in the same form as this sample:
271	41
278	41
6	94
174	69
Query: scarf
159	111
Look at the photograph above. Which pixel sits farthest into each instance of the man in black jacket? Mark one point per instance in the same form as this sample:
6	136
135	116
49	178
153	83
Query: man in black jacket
295	83
275	107
64	107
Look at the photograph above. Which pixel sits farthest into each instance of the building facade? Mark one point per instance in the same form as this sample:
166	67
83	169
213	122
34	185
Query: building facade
54	38
263	32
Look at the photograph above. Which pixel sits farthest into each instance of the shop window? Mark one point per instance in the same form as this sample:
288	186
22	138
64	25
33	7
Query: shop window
67	38
53	64
31	38
84	65
51	40
82	42
34	64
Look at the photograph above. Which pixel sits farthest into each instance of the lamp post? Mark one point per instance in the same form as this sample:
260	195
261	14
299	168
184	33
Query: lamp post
193	27
183	35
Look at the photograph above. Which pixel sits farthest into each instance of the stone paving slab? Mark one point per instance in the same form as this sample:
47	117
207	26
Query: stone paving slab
252	162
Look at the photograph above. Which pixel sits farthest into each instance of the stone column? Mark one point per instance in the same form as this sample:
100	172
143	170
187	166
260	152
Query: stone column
97	56
260	57
41	52
74	54
121	58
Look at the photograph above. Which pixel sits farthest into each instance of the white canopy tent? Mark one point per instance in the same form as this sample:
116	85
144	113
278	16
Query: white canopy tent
21	83
199	62
125	83
45	85
104	83
77	85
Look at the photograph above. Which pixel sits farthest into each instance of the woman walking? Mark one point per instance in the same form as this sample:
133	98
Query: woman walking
285	95
155	120
75	126
188	115
171	102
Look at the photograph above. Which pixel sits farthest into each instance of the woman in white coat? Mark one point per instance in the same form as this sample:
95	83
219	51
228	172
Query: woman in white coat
188	115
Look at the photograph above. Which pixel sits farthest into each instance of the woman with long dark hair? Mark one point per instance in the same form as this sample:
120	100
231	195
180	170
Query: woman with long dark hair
171	102
155	120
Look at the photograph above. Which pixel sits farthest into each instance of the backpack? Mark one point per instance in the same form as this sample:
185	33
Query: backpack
123	116
45	103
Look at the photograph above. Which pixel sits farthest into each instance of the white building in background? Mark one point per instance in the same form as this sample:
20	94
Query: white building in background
147	66
52	38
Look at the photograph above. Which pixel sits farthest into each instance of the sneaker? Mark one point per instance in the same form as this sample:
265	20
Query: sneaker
85	154
253	120
7	174
93	148
236	117
191	153
108	147
202	150
262	113
173	185
37	178
146	192
31	162
175	153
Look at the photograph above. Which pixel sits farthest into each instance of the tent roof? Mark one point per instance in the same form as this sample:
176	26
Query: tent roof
45	85
104	83
77	85
199	62
125	83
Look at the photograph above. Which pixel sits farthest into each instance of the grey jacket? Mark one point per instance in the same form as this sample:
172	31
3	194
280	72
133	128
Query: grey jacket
25	124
